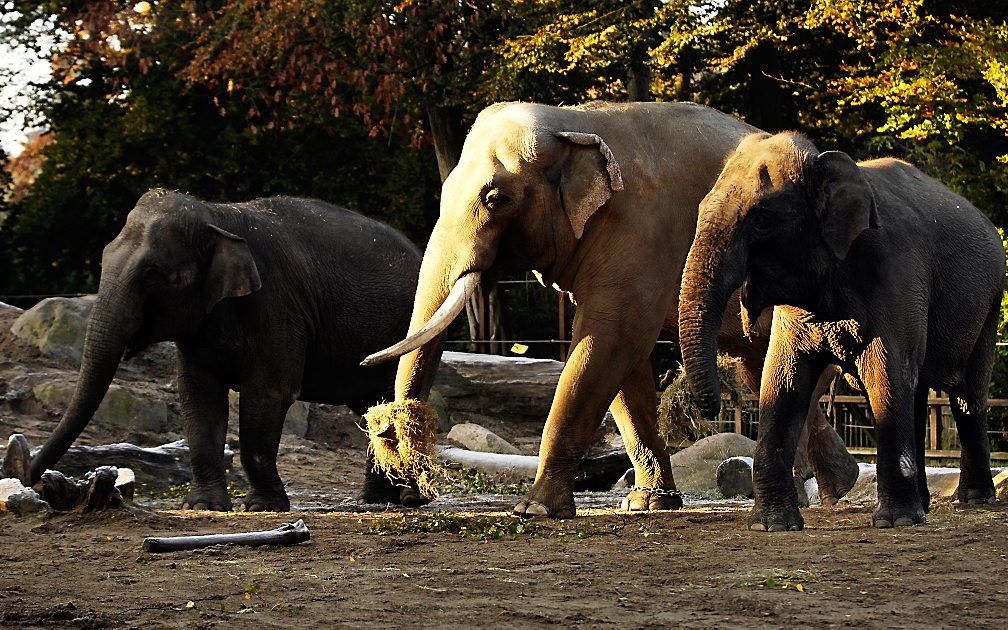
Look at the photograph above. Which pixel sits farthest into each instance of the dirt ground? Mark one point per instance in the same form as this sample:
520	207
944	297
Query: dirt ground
464	561
697	567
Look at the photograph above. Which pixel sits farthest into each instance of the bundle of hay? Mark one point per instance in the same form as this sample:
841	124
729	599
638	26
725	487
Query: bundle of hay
679	417
402	437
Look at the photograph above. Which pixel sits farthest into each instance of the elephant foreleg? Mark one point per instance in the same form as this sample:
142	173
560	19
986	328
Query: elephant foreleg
636	412
204	404
602	354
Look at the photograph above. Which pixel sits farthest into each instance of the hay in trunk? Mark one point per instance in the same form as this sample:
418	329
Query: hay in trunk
402	437
679	417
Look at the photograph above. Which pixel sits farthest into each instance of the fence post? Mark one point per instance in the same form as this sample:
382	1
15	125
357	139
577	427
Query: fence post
562	324
934	423
738	418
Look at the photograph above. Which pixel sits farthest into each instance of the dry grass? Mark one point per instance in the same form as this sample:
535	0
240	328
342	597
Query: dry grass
402	436
679	417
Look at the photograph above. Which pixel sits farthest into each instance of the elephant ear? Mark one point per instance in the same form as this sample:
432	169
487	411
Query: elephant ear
845	203
588	178
232	271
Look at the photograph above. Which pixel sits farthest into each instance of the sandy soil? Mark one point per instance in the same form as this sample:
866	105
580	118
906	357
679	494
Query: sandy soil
697	567
464	561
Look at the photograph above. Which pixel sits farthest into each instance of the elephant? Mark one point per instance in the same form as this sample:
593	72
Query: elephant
871	266
599	201
277	298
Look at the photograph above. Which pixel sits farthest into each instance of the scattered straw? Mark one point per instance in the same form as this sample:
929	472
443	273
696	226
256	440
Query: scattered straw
679	417
402	437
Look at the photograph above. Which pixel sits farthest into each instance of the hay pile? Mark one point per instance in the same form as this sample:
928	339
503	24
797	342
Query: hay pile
402	436
679	417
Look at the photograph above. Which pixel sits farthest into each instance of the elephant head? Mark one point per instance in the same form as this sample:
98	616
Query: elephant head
527	185
167	269
779	222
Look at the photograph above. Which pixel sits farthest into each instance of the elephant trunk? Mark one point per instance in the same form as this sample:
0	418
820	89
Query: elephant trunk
712	273
113	320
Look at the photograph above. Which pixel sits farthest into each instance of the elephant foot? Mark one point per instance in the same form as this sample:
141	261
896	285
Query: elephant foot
547	499
378	488
265	501
648	499
890	514
214	499
783	518
974	497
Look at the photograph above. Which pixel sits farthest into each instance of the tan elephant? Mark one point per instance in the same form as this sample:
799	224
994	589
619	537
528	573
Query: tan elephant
600	201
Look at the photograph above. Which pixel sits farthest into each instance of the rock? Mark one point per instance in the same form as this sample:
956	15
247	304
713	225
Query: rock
9	486
335	425
695	467
437	401
120	409
56	326
159	467
296	422
25	502
518	389
477	438
17	462
734	477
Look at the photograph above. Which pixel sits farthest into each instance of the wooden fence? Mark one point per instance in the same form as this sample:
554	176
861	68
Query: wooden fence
849	416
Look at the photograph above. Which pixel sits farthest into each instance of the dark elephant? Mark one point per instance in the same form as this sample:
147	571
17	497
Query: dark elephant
875	267
601	201
278	298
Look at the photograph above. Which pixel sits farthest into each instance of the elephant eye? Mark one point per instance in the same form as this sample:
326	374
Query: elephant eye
494	198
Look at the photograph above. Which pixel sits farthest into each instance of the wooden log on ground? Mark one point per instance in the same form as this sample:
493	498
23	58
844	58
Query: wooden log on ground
286	534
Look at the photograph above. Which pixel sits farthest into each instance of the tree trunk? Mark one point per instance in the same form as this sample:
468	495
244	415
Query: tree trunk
448	136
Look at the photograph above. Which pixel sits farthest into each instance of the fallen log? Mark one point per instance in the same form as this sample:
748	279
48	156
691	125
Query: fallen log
594	473
158	467
286	534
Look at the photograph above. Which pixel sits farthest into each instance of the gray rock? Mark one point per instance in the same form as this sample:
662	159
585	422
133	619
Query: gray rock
56	326
477	438
296	422
121	408
695	467
26	502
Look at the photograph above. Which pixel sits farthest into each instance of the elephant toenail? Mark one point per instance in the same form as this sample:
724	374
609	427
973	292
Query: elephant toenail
904	521
881	523
536	509
757	527
777	527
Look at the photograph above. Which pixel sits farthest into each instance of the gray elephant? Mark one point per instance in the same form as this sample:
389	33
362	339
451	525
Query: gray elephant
601	201
874	267
278	298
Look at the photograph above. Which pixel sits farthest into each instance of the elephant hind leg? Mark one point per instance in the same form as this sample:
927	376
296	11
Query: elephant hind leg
636	414
969	408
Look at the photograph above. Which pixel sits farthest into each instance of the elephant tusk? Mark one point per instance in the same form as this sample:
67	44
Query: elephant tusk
444	316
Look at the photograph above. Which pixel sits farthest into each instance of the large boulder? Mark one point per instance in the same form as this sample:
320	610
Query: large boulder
477	438
695	467
56	326
512	388
120	409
